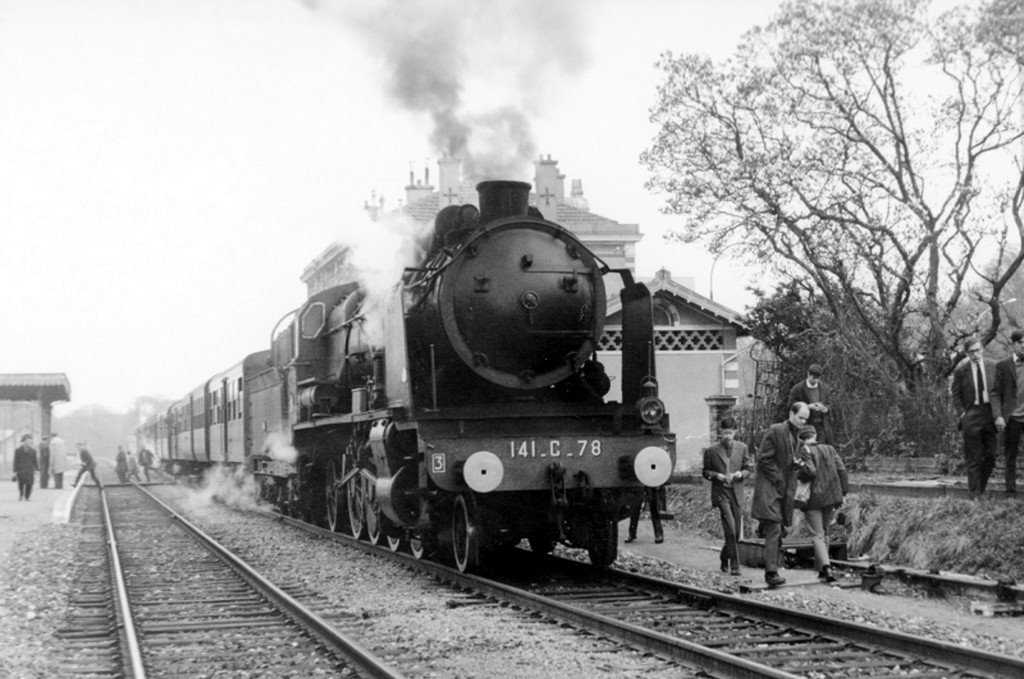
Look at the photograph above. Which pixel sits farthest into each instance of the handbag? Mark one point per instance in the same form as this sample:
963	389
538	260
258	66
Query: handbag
803	493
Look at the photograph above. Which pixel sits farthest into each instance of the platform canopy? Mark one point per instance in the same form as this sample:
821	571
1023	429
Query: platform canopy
48	387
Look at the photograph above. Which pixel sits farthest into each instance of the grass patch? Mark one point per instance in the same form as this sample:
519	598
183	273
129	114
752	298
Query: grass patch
985	538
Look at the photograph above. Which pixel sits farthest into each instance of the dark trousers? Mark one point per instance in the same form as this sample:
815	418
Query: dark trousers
651	500
1011	442
25	480
58	480
772	545
980	456
92	473
145	470
730	513
44	469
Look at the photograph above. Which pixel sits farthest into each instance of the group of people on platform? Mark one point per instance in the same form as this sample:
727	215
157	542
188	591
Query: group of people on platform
51	461
797	468
794	470
985	393
794	453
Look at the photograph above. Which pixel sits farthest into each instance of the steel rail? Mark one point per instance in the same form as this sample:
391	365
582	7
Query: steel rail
349	648
934	651
138	670
675	648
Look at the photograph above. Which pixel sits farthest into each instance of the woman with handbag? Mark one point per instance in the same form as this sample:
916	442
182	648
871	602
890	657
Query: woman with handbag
826	491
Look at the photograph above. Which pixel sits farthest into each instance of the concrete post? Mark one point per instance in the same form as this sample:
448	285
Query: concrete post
718	406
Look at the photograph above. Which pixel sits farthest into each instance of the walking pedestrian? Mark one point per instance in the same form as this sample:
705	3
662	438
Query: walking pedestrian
88	465
121	467
775	485
651	500
828	488
726	465
133	468
25	465
969	387
818	397
44	462
1007	410
146	460
58	460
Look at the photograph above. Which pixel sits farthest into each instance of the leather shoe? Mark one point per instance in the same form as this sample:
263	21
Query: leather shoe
631	538
658	540
774	579
735	570
826	574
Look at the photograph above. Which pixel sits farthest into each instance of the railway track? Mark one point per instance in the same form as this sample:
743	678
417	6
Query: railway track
726	635
159	598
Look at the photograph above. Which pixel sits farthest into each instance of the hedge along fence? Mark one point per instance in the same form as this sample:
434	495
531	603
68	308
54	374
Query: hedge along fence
914	426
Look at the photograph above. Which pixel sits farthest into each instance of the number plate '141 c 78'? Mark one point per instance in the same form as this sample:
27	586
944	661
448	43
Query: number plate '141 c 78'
554	448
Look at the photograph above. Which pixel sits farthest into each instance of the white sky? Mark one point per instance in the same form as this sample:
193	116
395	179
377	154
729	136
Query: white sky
167	169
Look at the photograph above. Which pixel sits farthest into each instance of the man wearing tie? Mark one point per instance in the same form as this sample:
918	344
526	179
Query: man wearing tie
970	385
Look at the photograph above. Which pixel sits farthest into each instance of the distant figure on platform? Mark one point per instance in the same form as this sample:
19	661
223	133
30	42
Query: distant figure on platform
651	500
726	464
828	488
44	462
121	468
146	460
88	465
1007	409
25	466
818	398
133	467
778	463
58	460
972	378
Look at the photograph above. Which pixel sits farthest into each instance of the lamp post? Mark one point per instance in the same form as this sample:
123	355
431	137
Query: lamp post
711	275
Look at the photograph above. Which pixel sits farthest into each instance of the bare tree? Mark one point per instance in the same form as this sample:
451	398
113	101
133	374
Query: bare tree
866	146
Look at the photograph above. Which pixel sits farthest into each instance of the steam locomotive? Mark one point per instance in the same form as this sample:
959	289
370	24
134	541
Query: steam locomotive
474	418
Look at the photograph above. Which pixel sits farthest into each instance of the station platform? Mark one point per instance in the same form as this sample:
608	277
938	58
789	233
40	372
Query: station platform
21	517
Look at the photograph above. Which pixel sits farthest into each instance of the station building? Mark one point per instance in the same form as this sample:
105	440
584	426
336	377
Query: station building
699	343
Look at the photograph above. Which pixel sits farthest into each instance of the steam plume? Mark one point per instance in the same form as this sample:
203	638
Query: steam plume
480	70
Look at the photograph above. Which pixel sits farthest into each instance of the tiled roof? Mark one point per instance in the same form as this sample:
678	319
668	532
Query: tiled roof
424	210
663	283
29	386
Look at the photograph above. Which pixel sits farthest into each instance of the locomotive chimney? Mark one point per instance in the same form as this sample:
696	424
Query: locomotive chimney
503	199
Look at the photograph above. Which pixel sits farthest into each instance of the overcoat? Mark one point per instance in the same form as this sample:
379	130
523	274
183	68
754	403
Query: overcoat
718	461
775	482
25	459
830	481
819	420
86	457
58	455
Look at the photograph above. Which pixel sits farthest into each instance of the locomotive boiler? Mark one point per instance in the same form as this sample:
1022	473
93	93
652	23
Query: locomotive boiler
468	410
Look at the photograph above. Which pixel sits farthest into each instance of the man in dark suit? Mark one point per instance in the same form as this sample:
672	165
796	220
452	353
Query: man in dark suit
818	398
726	464
970	387
25	466
1007	410
775	485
